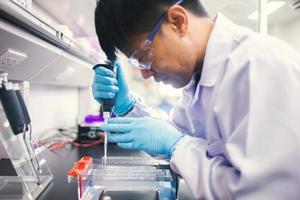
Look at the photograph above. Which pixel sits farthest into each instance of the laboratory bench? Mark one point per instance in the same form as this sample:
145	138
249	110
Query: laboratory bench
61	161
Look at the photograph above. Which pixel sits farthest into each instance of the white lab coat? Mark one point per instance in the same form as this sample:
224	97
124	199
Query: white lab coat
242	119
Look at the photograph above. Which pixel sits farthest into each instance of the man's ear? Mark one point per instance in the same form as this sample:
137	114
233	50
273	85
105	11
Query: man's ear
177	16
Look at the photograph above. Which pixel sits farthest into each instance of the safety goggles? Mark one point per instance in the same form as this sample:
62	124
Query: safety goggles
143	57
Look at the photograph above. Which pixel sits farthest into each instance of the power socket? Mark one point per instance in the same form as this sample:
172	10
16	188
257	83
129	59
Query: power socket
10	59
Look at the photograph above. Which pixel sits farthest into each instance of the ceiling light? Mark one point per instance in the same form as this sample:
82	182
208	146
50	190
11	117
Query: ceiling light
271	7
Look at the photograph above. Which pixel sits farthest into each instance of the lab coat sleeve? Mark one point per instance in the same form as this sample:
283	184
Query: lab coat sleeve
256	115
141	109
178	116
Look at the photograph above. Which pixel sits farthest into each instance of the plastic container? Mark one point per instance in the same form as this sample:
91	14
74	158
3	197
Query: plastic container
121	174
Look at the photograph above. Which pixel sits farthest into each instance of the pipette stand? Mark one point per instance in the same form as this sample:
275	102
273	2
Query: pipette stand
25	185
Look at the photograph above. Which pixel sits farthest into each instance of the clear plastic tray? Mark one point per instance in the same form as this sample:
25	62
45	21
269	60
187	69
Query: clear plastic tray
123	174
135	161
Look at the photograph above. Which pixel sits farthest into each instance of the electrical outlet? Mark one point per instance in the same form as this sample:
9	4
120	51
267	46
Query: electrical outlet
10	59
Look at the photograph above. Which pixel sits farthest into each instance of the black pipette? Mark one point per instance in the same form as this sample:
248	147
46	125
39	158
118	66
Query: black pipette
27	123
107	106
14	114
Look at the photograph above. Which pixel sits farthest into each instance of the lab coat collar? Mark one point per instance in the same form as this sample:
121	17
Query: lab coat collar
190	91
218	48
192	84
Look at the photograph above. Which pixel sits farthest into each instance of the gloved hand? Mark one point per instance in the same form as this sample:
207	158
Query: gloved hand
106	86
153	136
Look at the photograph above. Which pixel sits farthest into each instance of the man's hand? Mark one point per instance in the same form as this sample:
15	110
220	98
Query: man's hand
107	86
154	136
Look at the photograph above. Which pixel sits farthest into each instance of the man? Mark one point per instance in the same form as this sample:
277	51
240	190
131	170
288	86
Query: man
236	132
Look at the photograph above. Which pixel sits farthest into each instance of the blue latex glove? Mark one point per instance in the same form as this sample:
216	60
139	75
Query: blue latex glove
153	136
106	86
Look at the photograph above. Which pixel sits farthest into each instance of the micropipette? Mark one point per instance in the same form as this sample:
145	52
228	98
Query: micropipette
14	113
107	106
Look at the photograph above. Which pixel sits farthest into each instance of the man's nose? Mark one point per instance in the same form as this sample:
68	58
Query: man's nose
146	73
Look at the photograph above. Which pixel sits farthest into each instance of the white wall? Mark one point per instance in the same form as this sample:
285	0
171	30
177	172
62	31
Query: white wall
3	153
87	104
288	32
52	107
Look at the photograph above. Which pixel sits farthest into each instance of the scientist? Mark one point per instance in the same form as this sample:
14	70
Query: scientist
236	132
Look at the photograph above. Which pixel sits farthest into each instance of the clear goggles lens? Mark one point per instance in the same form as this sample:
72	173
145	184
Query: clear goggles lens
142	58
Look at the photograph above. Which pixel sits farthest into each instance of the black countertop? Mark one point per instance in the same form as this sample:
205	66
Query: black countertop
60	162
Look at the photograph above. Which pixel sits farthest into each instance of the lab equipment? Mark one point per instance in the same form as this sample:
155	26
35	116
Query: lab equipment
136	161
107	104
106	116
89	132
155	136
15	135
27	4
106	84
27	120
123	174
90	119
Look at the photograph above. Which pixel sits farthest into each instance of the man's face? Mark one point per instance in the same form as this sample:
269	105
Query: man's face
174	57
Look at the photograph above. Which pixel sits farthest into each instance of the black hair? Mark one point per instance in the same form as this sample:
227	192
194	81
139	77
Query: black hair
117	21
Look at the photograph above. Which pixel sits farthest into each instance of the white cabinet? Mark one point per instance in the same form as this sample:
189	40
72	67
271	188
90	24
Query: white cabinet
51	57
